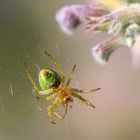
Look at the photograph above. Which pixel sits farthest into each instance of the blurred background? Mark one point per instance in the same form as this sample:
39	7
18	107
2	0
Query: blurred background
27	29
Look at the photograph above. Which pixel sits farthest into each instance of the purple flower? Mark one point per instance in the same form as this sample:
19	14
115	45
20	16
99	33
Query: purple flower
136	51
70	17
102	51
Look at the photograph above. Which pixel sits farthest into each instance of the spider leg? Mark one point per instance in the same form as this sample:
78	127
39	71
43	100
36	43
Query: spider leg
66	109
57	66
82	99
34	84
52	113
45	92
70	76
58	116
83	91
45	98
31	79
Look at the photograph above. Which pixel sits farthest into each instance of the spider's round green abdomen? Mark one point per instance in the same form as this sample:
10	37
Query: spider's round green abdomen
48	79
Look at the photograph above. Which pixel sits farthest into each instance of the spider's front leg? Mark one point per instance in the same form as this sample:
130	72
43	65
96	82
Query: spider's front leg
31	79
37	90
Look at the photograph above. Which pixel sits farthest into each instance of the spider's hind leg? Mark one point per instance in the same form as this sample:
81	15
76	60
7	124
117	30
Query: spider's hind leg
52	113
66	109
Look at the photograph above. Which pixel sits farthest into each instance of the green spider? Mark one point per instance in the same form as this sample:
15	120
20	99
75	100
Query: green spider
54	87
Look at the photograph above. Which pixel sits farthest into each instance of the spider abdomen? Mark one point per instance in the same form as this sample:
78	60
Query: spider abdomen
49	79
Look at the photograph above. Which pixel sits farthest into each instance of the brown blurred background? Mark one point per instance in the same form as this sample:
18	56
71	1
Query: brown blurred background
27	29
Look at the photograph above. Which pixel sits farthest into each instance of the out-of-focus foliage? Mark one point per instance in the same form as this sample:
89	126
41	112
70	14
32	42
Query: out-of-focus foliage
132	1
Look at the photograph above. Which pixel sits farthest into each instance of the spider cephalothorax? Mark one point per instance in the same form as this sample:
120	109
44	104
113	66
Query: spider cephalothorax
54	87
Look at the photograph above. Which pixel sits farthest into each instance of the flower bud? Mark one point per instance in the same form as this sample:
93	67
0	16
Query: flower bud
70	17
102	51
